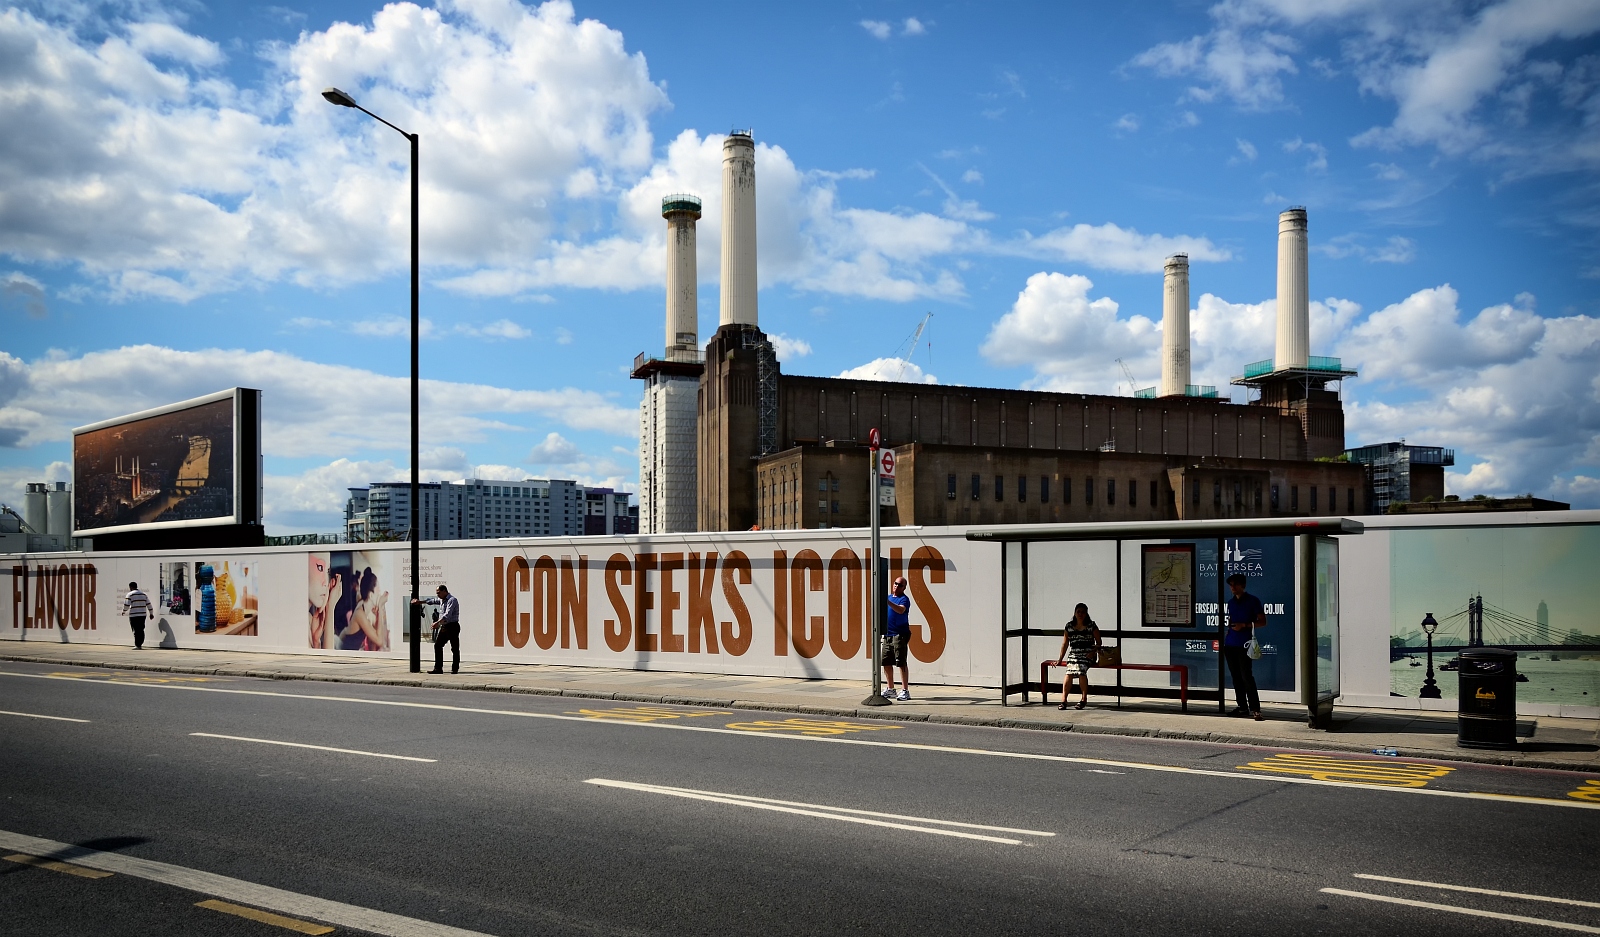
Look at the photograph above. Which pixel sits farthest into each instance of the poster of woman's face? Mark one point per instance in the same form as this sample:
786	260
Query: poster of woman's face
347	602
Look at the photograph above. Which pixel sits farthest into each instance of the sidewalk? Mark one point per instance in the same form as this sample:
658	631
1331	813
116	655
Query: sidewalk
1565	744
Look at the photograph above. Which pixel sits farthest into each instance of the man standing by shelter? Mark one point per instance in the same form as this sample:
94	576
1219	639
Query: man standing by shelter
1245	614
896	639
449	630
136	605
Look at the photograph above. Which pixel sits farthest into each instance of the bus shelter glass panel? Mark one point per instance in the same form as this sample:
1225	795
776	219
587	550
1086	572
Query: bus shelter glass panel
1327	618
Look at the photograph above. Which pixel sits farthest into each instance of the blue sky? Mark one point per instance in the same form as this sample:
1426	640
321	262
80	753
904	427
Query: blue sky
182	213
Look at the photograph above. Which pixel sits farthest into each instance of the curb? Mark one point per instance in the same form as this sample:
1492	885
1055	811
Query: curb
1226	738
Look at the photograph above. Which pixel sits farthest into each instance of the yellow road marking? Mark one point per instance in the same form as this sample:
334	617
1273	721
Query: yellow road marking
265	917
647	713
1589	790
1350	770
808	726
54	866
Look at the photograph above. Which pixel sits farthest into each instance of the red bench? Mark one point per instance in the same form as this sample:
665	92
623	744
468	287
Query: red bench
1180	669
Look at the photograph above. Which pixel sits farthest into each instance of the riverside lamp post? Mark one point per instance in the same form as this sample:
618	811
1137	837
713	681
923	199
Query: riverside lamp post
414	611
1430	686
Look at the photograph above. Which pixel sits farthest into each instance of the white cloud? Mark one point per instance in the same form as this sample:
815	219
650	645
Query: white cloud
559	457
913	27
1110	247
1245	64
309	409
1070	340
563	335
555	450
1127	123
1421	338
498	329
24	292
789	348
878	29
972	176
1319	153
890	369
1247	151
1397	250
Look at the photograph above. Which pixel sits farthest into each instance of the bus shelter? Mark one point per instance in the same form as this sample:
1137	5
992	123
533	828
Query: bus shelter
1178	599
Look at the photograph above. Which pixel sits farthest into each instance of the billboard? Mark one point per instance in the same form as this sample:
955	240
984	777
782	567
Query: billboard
192	463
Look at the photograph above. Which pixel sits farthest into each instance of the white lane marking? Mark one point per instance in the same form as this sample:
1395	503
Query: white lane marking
825	813
320	748
1479	891
337	913
1103	771
7	712
834	740
1455	909
868	813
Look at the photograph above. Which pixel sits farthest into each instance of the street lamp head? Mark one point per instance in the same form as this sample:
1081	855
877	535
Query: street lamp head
1428	624
335	96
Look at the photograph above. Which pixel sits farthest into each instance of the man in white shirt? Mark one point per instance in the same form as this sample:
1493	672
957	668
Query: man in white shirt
449	631
136	605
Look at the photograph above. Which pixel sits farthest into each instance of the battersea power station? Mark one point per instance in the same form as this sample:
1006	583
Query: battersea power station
730	442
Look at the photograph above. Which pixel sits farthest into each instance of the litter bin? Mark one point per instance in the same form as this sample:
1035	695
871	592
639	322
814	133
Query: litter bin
1487	717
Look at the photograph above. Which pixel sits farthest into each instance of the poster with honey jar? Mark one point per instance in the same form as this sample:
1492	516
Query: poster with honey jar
223	598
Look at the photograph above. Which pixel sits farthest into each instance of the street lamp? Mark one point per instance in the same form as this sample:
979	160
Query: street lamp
1430	687
414	611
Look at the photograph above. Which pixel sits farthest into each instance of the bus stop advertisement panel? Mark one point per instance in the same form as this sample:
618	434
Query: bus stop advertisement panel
1300	643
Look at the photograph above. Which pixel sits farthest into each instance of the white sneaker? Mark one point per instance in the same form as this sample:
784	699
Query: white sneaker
904	697
888	693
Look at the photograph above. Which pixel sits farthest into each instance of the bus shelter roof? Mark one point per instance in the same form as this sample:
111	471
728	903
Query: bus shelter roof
1209	529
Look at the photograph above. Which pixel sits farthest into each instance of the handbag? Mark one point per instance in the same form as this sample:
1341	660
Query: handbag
1109	657
1252	647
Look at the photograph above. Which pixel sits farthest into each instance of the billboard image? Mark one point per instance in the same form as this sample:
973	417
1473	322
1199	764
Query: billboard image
348	601
1530	589
1267	564
170	467
220	595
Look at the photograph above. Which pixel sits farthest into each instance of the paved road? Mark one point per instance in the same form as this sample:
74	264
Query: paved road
507	815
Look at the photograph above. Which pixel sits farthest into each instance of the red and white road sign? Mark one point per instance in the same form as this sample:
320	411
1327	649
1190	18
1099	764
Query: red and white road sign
872	438
886	463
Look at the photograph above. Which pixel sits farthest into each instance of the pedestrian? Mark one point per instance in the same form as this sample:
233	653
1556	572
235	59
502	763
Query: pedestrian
896	639
1080	648
1245	615
448	630
136	605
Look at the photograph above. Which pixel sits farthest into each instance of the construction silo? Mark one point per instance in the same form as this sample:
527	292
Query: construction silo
59	508
35	510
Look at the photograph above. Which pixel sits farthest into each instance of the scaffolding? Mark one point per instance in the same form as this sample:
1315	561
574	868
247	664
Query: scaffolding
766	390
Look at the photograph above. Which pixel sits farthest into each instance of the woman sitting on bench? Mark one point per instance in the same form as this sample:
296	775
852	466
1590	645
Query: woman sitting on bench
1080	647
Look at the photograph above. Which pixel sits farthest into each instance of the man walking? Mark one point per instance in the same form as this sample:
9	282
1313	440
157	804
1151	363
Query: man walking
1245	614
449	630
136	605
896	638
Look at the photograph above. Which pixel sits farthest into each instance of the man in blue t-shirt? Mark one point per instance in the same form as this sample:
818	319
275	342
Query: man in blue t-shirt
896	636
1245	614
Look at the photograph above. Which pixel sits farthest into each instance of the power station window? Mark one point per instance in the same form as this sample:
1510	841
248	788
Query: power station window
1044	489
836	507
1238	494
1294	497
1333	500
1349	500
1274	497
1194	493
1022	487
999	487
977	486
1154	492
1066	490
822	484
950	491
1133	493
1088	491
1258	496
1111	491
835	482
1216	494
1313	499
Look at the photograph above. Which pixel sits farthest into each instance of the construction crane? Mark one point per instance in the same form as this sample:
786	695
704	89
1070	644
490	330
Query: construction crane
1133	386
909	346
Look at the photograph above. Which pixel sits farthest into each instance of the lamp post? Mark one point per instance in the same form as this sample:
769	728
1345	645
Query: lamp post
414	611
1430	687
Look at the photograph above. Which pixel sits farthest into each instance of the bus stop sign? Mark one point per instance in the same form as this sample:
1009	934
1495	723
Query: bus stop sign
886	463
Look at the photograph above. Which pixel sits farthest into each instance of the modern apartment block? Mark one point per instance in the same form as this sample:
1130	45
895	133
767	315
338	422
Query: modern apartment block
477	509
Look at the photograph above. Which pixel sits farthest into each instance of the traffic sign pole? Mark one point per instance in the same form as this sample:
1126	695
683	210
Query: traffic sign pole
876	586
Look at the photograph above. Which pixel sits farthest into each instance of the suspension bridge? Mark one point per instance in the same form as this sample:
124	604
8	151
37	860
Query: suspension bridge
1483	624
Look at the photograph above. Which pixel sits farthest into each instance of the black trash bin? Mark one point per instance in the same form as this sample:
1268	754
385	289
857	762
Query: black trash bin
1488	698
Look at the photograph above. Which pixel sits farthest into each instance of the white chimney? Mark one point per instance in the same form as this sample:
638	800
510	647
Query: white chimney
1294	296
1175	327
683	296
738	229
